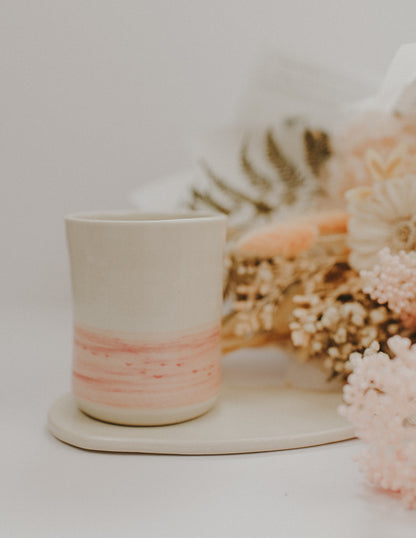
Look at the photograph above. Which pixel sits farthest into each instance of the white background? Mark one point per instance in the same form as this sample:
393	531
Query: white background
98	97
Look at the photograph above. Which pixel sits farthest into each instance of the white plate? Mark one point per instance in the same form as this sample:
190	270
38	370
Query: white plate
260	409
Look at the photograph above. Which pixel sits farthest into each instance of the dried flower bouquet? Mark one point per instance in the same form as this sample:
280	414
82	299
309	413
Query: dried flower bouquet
339	287
312	281
322	259
303	294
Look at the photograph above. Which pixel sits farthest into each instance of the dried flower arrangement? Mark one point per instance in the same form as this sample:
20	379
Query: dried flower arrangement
339	287
324	262
292	284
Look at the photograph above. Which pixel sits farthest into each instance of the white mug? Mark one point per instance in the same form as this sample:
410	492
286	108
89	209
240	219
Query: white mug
147	304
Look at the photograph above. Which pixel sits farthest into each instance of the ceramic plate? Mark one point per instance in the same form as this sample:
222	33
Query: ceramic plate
268	403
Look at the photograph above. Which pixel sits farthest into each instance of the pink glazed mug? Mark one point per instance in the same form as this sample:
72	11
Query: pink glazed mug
147	303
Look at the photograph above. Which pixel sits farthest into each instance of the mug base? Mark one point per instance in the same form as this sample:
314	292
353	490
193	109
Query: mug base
134	417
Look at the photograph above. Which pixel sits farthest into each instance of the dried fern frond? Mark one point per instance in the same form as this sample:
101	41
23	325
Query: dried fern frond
278	181
258	181
317	149
207	200
235	194
288	173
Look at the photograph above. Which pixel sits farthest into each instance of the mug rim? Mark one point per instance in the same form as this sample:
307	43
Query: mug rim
131	216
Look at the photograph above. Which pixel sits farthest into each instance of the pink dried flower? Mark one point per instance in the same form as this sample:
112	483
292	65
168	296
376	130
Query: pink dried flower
393	282
380	401
365	148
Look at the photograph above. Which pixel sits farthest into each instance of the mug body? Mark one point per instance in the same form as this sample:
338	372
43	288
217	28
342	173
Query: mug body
147	303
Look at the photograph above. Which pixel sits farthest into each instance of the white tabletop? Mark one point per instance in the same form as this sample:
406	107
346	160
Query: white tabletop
49	489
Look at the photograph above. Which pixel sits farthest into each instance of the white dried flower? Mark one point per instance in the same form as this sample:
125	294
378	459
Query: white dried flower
340	337
330	317
343	319
378	315
299	338
384	218
309	328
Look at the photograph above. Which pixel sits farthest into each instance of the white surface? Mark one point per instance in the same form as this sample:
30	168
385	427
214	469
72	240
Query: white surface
49	489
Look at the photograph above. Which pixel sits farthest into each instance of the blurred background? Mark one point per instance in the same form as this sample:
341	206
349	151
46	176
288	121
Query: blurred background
99	97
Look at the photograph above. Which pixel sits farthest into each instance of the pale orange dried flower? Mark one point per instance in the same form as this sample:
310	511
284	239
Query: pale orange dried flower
290	237
329	222
286	239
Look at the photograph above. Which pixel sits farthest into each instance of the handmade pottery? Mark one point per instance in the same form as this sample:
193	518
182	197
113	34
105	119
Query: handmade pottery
147	303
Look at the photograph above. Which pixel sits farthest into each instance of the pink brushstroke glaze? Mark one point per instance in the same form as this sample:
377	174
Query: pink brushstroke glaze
152	372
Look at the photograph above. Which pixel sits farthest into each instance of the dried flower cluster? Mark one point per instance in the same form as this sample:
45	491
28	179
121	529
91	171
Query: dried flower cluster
380	399
334	317
287	282
258	291
393	282
268	266
291	281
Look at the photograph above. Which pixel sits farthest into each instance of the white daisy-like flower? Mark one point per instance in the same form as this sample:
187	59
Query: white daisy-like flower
385	217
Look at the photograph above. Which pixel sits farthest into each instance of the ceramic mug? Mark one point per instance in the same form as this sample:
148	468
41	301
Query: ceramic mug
147	301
